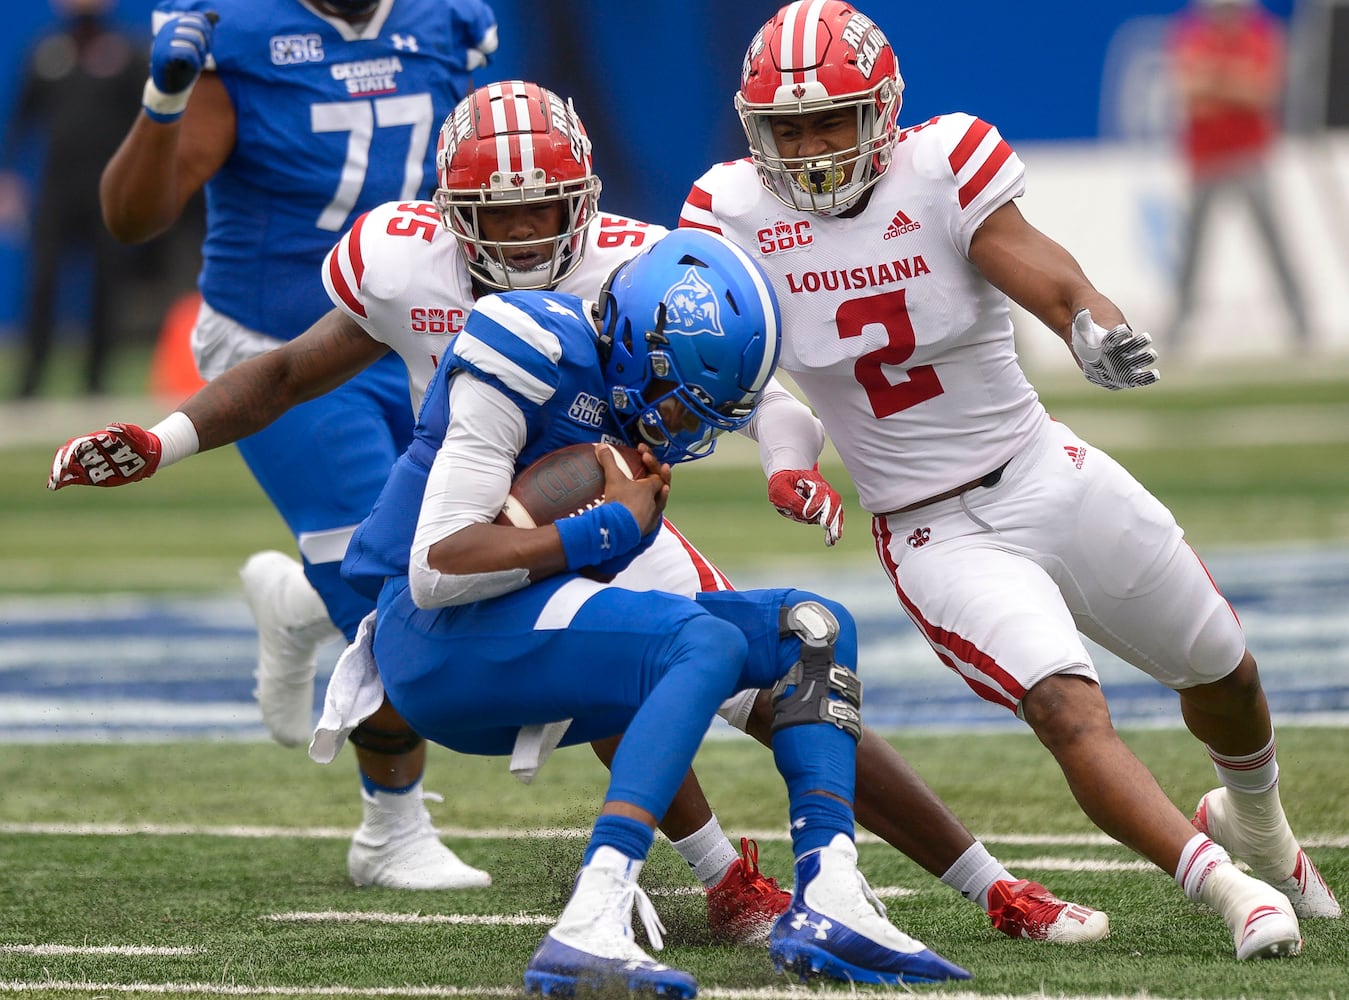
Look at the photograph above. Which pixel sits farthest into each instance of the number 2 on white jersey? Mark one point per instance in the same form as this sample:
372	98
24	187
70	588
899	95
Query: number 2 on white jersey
890	311
359	119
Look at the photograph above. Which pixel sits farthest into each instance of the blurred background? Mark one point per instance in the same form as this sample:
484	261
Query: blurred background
1082	91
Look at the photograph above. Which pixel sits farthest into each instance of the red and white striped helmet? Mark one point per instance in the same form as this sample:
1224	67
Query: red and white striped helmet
820	55
514	143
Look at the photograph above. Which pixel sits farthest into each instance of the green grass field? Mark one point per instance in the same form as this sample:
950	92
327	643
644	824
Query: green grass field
210	852
233	858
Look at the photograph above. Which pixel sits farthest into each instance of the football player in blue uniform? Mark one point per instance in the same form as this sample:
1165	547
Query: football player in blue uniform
296	116
494	628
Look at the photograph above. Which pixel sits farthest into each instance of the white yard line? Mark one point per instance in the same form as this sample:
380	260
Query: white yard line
762	993
515	833
110	949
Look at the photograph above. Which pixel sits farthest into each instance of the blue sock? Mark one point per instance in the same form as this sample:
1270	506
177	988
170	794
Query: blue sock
817	820
816	758
372	786
630	837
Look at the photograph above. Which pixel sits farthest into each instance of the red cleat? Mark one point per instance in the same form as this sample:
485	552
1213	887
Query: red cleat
1024	909
744	905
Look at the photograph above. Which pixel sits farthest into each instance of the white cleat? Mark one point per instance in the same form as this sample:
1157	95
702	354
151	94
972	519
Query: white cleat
591	948
1286	867
287	648
397	847
1260	917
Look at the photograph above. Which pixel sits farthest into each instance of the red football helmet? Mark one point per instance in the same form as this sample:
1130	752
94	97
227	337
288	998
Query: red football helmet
515	143
820	55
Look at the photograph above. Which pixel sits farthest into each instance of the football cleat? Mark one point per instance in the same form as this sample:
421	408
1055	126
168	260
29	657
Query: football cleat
1304	886
742	907
1260	917
1024	909
397	847
287	650
836	927
591	947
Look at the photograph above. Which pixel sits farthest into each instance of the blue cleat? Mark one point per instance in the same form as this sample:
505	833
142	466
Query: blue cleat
836	927
560	970
591	947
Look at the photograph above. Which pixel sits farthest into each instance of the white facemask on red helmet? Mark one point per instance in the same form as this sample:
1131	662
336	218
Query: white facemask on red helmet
515	143
813	56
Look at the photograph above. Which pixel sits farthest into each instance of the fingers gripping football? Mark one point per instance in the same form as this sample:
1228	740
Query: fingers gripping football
805	496
117	455
1120	358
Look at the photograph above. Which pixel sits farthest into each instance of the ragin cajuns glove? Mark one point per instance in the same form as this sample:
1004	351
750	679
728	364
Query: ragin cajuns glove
117	455
804	495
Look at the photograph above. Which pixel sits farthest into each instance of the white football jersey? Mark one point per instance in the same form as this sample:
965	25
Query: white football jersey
399	274
903	349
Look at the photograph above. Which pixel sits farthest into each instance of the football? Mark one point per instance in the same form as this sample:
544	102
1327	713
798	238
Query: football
564	482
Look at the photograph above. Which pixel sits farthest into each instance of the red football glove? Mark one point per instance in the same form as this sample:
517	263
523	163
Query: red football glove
805	496
117	455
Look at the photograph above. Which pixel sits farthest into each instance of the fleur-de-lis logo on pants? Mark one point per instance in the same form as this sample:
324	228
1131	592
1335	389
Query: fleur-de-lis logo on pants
919	538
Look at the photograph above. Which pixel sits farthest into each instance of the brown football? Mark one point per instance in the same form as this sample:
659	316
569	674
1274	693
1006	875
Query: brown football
564	482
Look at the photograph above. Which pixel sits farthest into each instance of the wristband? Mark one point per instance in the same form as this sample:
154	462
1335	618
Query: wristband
600	533
177	438
161	107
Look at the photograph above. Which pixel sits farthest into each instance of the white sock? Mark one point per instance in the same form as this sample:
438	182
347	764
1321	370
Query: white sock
301	604
1251	773
974	873
707	852
1198	859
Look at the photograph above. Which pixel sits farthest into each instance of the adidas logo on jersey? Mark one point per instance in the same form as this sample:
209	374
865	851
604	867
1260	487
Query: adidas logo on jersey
1075	454
900	225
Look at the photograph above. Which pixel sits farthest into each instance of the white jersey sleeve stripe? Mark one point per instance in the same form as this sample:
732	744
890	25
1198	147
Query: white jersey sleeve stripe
512	373
697	211
339	276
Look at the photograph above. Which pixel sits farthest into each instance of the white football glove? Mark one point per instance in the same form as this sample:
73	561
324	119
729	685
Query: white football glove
1113	359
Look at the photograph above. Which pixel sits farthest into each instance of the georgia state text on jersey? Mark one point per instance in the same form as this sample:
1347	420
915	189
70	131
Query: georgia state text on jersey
901	347
401	275
325	113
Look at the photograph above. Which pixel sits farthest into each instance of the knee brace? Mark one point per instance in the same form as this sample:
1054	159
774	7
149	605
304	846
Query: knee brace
822	690
390	743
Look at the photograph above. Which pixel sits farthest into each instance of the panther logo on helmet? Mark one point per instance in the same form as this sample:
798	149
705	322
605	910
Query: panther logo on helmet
691	306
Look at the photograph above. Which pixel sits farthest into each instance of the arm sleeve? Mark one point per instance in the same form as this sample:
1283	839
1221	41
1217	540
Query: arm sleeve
468	483
790	436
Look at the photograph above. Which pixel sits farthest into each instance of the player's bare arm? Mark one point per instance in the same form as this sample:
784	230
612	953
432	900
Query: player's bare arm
1037	273
160	166
251	395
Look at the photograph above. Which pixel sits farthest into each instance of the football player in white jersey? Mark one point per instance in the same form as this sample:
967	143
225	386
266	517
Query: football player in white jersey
405	277
894	254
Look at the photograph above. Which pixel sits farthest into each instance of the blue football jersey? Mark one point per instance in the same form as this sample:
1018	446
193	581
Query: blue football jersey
332	120
539	348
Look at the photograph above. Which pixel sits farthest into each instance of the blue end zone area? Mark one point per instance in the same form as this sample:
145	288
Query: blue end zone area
131	668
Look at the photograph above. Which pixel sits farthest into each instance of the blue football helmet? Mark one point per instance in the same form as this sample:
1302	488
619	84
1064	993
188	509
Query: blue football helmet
692	319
